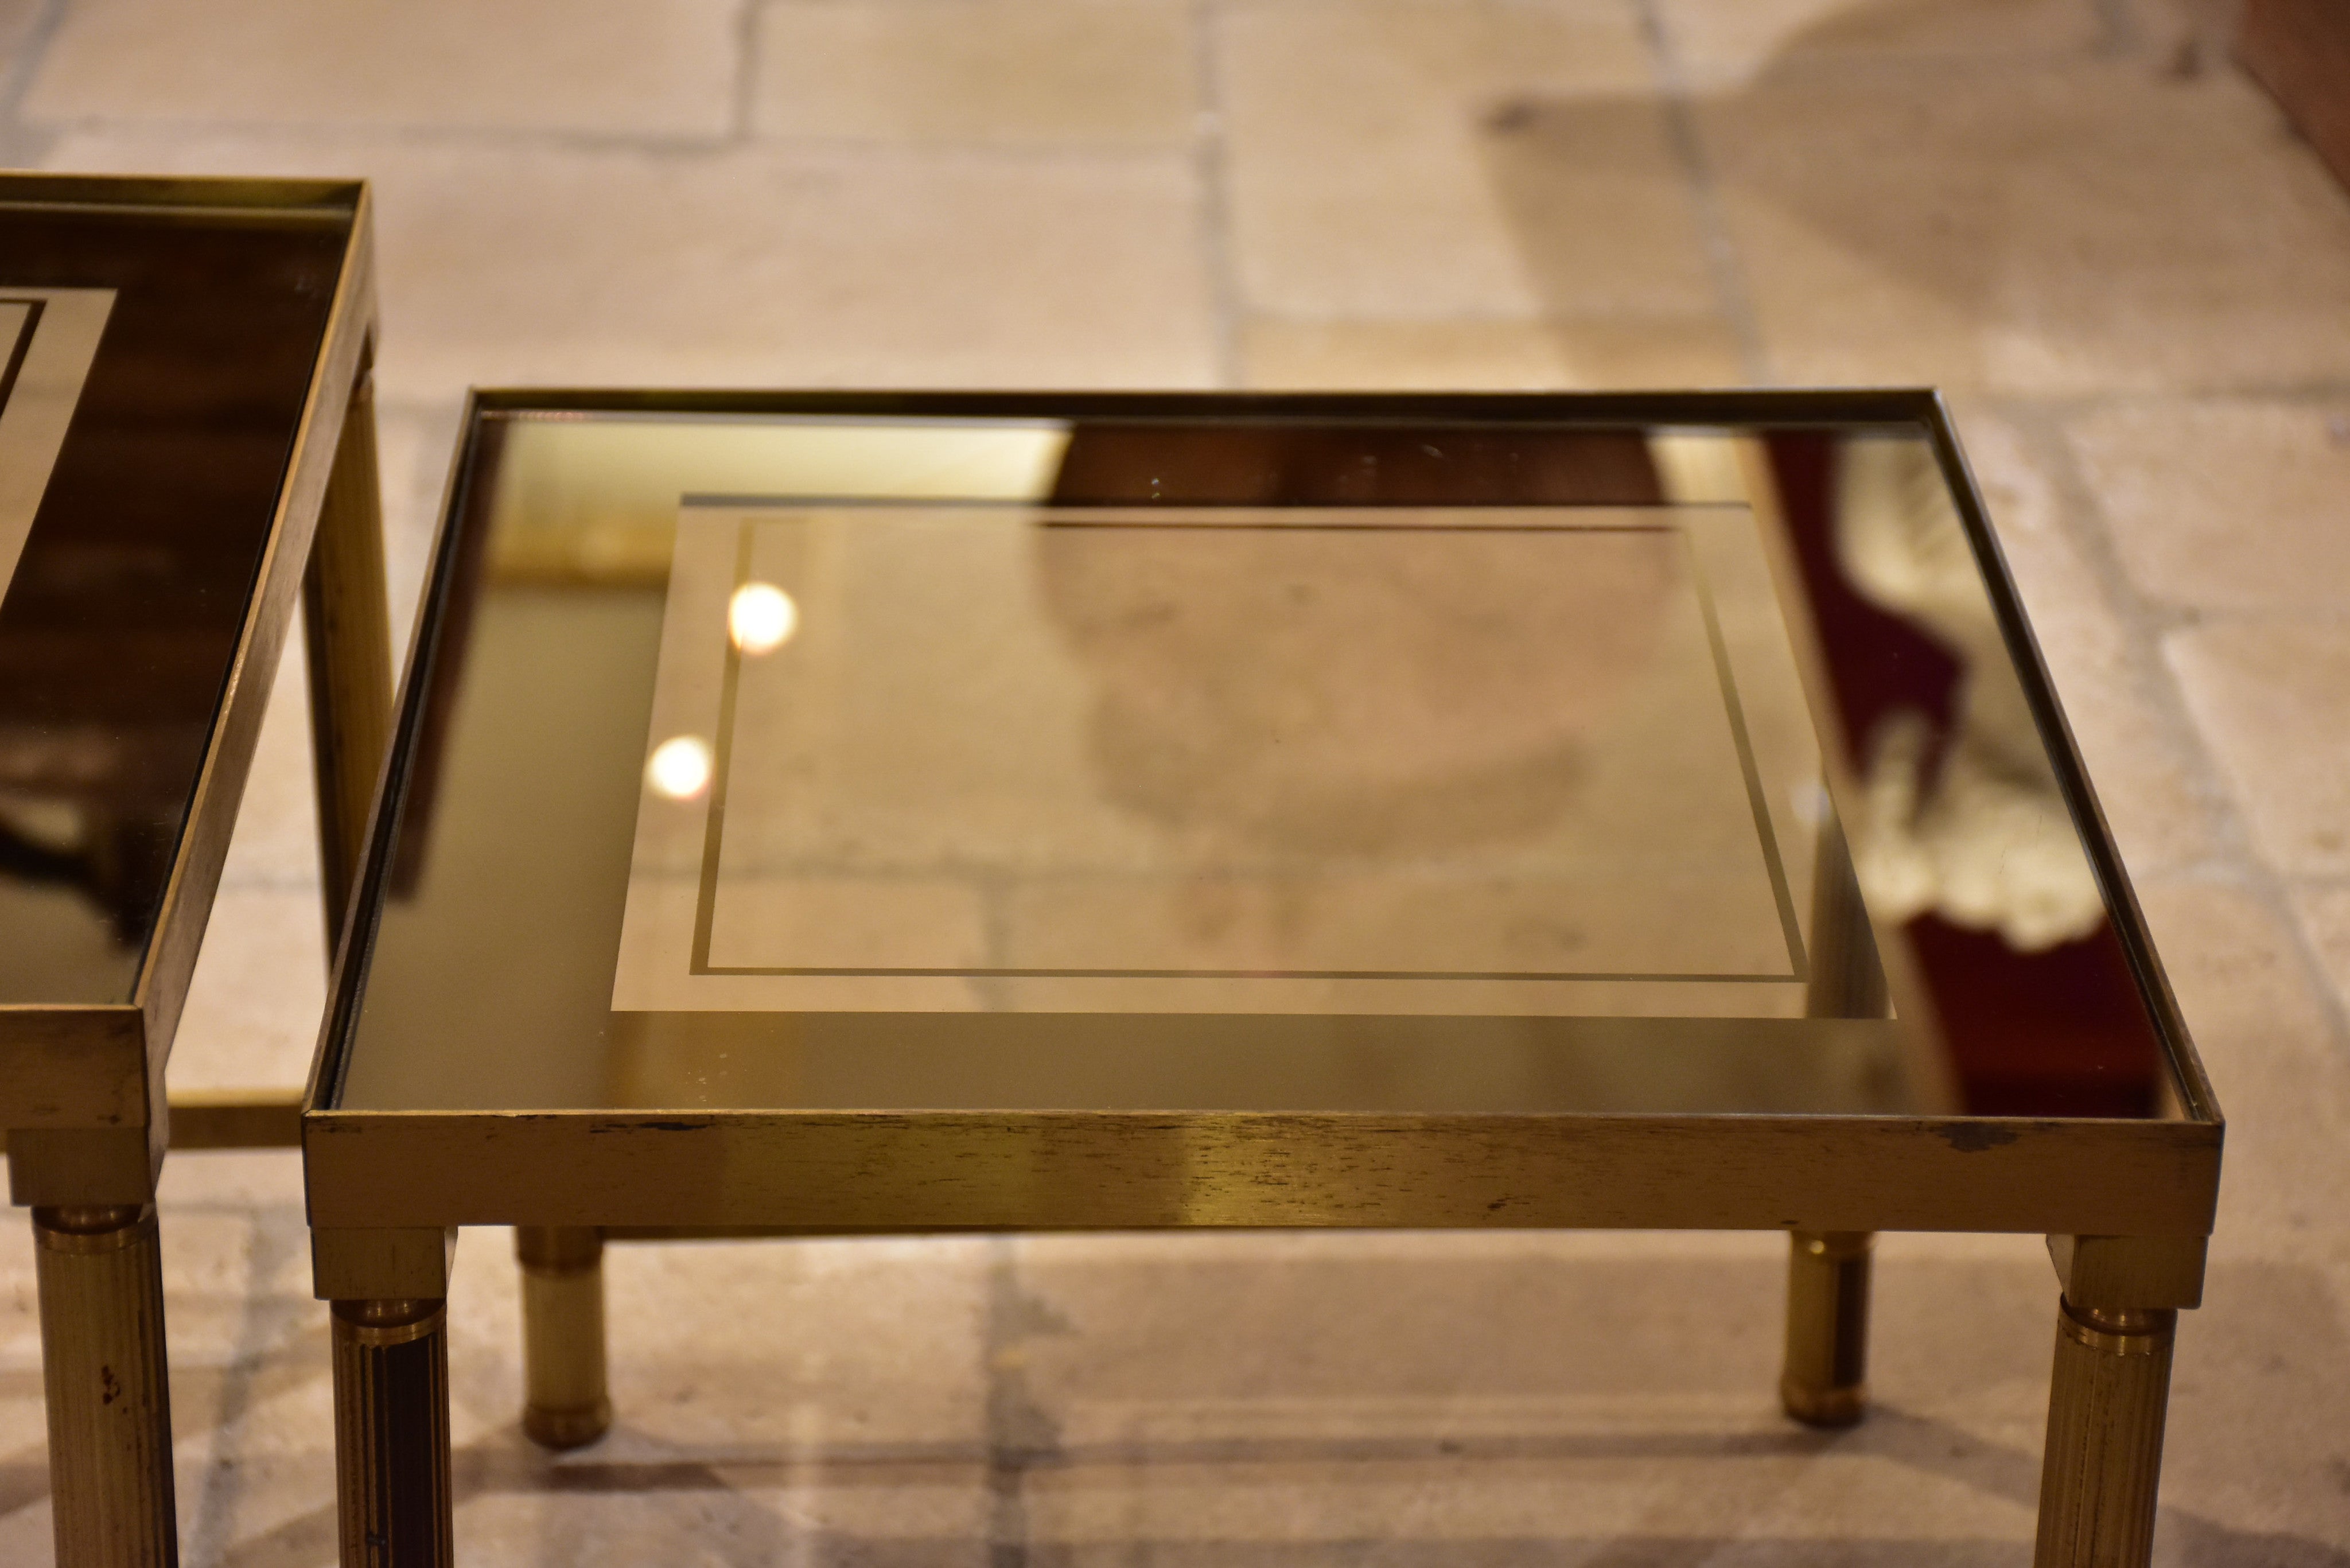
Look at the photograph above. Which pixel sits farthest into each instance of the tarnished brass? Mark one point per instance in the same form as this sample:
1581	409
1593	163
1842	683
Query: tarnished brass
391	1434
347	630
2103	1459
580	1143
565	1400
2124	1271
110	1402
162	987
1825	1382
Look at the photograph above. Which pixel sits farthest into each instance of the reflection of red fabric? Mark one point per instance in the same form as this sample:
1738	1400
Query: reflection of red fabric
1297	464
2058	1032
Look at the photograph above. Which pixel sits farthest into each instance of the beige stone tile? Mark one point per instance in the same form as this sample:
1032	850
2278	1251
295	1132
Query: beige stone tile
527	264
820	1398
259	992
662	67
2279	1073
1494	356
17	20
2141	764
1377	356
2236	505
1402	158
1086	73
1281	1396
1718	44
2053	230
2272	699
2325	913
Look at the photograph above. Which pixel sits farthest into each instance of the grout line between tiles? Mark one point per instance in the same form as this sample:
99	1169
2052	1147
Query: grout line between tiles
746	71
1726	269
1211	161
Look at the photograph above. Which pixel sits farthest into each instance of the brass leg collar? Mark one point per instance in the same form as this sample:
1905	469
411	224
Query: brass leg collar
2143	1333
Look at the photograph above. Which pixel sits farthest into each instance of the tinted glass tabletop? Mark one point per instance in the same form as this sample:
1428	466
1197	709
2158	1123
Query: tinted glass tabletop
158	356
1356	757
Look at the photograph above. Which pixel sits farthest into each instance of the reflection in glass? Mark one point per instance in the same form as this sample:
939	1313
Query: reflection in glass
761	618
1184	764
679	768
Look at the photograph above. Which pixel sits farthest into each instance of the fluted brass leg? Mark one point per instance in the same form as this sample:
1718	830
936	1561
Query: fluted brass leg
565	1403
346	634
1825	1382
391	1433
101	1284
2104	1459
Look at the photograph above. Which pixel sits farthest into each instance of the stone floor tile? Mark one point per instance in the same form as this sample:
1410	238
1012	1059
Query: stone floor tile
1385	158
260	990
1371	355
2281	1074
18	18
2325	913
527	264
647	67
2094	227
773	1401
1267	1399
2235	506
2140	759
1718	44
2272	699
1072	73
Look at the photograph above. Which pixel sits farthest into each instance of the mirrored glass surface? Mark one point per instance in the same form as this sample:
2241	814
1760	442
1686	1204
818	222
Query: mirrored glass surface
157	361
1213	764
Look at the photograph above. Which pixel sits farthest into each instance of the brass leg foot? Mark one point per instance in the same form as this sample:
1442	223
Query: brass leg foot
101	1284
391	1434
2106	1408
1827	1379
565	1403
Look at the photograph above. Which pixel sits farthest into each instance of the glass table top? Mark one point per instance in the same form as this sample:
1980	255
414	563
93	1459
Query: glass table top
158	357
1378	757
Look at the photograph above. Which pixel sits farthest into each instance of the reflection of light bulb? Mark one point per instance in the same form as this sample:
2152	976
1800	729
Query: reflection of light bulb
680	767
761	618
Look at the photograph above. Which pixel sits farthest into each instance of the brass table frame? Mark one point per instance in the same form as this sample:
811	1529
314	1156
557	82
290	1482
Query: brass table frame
2126	1205
82	1087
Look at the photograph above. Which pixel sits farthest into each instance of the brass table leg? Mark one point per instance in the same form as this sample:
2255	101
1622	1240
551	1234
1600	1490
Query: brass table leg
565	1404
1825	1382
348	636
101	1286
2103	1459
391	1434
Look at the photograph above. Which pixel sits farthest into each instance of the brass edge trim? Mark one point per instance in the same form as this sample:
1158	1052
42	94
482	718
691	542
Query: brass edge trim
167	967
2071	772
413	685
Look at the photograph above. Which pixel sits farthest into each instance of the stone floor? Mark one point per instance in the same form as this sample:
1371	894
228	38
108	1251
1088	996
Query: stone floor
2131	278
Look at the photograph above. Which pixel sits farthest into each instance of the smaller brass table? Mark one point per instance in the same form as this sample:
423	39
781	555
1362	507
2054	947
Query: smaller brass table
864	814
186	444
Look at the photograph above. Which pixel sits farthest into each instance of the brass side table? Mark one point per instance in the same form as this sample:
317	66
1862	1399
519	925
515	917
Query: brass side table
186	444
817	814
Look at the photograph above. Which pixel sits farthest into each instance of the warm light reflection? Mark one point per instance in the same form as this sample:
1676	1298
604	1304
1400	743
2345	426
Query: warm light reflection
680	767
761	618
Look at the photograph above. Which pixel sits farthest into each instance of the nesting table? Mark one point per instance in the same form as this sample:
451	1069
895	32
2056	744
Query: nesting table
822	813
187	444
